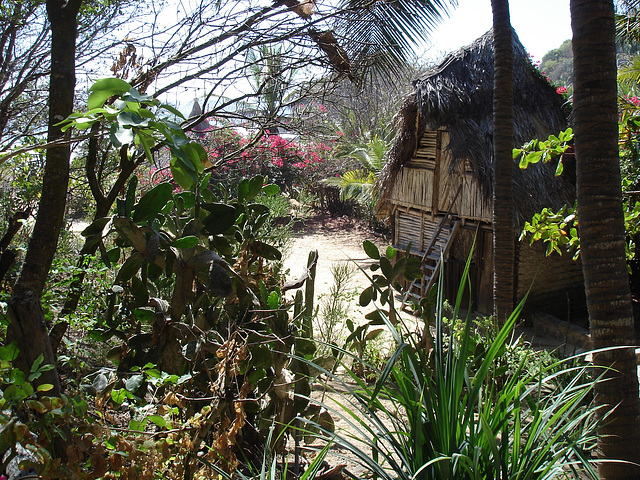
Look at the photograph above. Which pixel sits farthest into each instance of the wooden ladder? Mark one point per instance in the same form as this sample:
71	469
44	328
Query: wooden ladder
433	257
435	253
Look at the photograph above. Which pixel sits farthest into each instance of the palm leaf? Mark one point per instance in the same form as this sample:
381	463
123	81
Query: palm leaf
384	34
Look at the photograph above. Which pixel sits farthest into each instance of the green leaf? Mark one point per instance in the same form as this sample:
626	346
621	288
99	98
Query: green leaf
366	296
147	143
102	89
44	387
137	425
196	154
273	301
183	176
97	99
36	363
134	382
271	189
108	84
304	346
222	218
559	169
130	198
135	96
371	250
145	315
131	119
256	375
129	268
533	157
243	189
97	227
9	352
255	187
152	202
113	255
387	269
118	395
158	420
36	405
186	242
173	110
188	198
139	291
122	136
266	251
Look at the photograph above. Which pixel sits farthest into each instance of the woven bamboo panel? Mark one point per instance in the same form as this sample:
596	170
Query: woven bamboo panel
425	156
546	274
408	230
417	228
413	186
473	202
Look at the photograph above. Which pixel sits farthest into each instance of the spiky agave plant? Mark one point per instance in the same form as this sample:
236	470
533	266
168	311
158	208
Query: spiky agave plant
453	412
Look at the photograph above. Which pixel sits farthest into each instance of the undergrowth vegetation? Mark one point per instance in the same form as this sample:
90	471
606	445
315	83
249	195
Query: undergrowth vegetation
478	404
182	358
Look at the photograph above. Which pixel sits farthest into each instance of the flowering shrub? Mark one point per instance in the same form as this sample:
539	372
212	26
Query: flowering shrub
293	166
633	99
153	176
290	165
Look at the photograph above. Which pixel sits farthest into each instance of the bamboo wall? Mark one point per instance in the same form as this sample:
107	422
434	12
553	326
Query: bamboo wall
556	281
428	182
426	186
415	227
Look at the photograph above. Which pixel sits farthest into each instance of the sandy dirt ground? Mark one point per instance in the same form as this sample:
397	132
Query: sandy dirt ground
337	240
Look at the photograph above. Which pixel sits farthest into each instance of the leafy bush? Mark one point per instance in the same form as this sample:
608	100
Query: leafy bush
291	165
457	411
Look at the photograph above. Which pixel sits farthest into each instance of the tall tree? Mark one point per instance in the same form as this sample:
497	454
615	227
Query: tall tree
27	319
503	229
602	234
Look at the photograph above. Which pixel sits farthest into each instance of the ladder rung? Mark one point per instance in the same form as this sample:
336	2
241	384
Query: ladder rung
414	295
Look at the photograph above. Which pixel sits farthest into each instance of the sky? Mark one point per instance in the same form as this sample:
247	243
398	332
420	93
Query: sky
542	25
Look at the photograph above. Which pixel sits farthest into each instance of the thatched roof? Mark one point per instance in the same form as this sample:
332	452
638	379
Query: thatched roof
458	95
196	111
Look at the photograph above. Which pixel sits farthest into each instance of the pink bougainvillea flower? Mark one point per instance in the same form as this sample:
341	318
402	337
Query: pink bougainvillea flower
635	100
561	90
322	108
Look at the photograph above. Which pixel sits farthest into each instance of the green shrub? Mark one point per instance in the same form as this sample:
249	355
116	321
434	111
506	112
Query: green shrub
459	411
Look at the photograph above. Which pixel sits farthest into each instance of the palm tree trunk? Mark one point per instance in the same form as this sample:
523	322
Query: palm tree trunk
503	230
602	233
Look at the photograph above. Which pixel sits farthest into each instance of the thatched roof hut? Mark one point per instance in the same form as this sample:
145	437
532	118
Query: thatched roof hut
457	96
442	159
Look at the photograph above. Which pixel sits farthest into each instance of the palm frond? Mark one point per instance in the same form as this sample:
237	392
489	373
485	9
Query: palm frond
629	75
384	34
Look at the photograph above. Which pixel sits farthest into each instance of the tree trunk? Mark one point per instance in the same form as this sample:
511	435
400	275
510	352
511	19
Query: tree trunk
602	233
503	229
27	319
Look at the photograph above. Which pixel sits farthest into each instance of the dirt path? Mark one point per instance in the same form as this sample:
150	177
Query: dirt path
338	240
